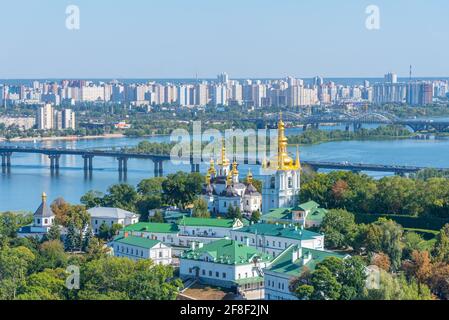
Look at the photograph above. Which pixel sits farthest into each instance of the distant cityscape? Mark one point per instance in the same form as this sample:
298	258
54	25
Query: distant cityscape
224	91
53	99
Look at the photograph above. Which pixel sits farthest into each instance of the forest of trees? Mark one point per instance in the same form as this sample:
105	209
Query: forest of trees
38	270
410	268
361	194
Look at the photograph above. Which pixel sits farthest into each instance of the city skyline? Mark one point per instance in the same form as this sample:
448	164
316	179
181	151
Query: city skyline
252	39
225	91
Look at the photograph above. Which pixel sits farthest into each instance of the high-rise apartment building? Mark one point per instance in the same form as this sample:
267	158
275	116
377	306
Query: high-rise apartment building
201	94
391	78
44	117
419	93
47	118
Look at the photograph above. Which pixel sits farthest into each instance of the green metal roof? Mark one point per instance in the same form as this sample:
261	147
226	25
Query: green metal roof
317	215
153	227
284	264
248	280
315	212
136	241
280	230
308	206
227	251
204	222
278	214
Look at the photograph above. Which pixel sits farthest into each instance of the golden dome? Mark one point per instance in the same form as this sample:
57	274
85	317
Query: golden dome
223	162
235	171
212	170
283	161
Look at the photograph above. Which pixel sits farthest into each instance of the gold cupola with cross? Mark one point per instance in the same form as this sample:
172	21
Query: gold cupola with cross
282	176
223	162
282	161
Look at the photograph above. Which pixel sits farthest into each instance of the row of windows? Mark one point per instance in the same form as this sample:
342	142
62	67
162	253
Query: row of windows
211	274
234	205
135	252
272	284
46	221
280	245
103	222
273	183
270	297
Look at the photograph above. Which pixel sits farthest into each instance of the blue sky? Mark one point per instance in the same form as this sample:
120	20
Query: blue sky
246	38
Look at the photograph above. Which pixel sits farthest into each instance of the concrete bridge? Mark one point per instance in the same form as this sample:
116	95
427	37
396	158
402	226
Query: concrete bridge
354	120
54	154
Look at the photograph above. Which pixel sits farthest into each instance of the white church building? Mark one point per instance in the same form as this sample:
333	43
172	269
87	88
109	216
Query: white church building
223	189
43	220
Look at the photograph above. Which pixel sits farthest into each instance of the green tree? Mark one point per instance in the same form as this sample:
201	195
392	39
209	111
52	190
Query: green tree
397	195
51	256
122	196
340	228
255	216
413	242
92	199
118	278
349	273
10	222
54	233
46	285
72	239
441	252
234	213
200	208
325	284
14	265
146	203
88	237
304	292
386	236
181	188
397	288
104	231
151	186
158	217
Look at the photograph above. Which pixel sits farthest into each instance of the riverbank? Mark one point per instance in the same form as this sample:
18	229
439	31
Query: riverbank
65	138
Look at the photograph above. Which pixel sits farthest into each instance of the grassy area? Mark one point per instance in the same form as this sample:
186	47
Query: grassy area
424	224
426	234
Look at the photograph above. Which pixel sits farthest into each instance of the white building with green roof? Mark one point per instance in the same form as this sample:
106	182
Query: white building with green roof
167	233
274	238
226	263
187	230
288	266
137	248
308	214
211	228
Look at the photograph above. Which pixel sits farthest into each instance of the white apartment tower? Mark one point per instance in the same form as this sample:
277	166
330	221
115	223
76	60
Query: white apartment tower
44	118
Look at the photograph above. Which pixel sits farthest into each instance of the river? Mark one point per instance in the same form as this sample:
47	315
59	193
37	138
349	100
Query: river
21	188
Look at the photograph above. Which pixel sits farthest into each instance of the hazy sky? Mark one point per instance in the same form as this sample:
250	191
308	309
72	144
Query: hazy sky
246	38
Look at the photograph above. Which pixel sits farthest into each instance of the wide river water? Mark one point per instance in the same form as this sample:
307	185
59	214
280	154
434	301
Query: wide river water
21	188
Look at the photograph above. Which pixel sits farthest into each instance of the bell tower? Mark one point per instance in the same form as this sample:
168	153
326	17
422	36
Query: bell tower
281	178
